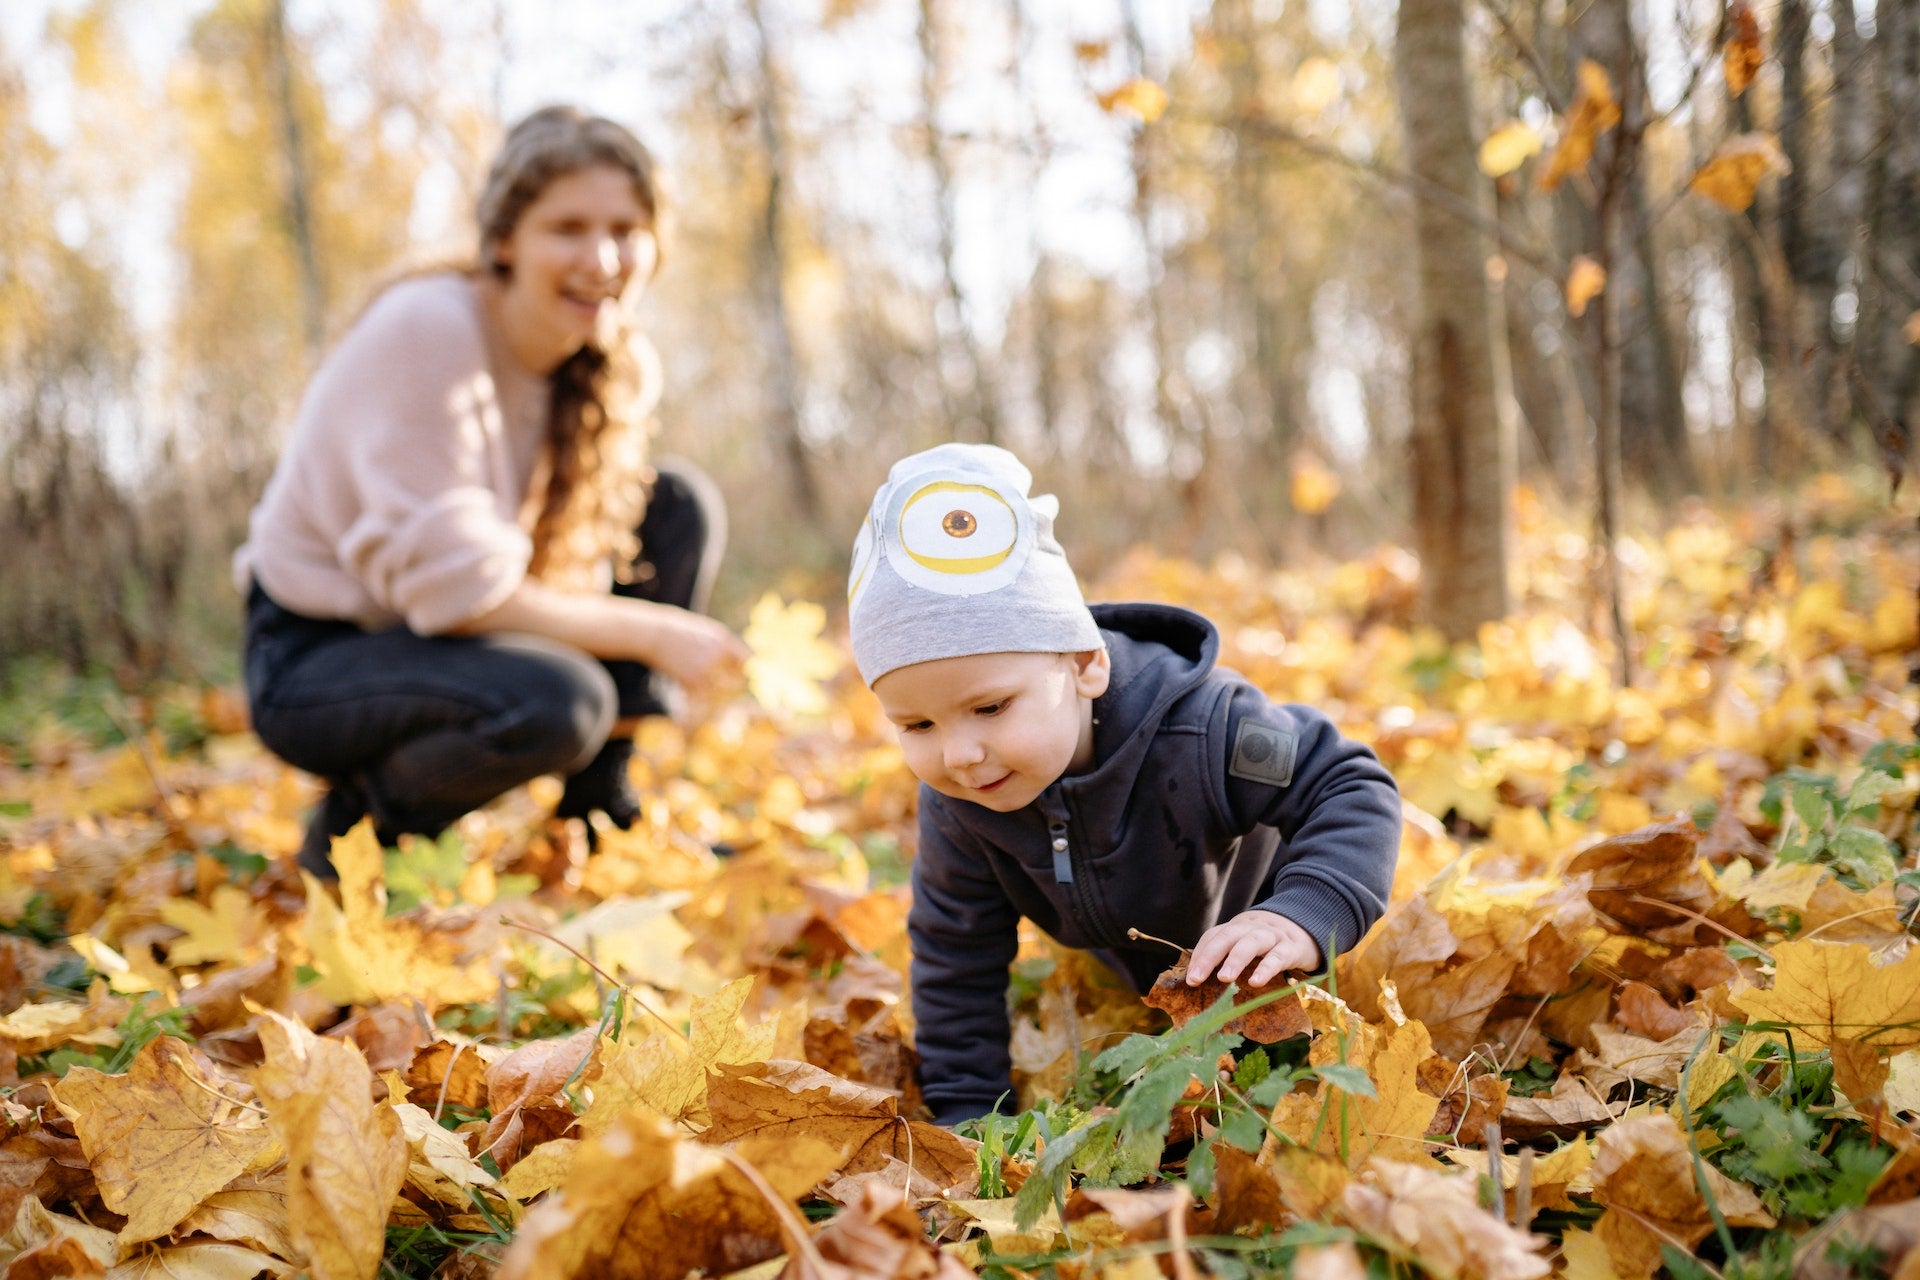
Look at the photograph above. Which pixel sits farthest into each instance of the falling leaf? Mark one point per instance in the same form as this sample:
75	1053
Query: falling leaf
1593	113
1508	147
1732	176
1742	56
1645	1174
164	1136
1140	98
346	1157
789	659
1314	487
794	1100
1585	279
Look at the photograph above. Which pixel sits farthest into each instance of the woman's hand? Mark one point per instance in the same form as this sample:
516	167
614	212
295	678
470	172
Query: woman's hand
692	648
1275	941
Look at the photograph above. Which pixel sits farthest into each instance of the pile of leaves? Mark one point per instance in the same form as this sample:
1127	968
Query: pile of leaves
1646	999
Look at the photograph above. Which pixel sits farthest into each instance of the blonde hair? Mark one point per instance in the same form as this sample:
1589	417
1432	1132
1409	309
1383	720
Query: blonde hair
598	416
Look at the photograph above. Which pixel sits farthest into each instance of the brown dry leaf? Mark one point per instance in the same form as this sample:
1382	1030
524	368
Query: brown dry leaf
1742	56
643	1202
164	1136
1659	861
534	1074
366	958
1439	982
450	1074
1569	1110
1621	1057
1639	1008
1352	1127
39	1242
1732	176
1275	1021
1835	995
345	1156
1245	1192
1585	279
1593	113
1644	1174
668	1075
879	1237
796	1100
1436	1217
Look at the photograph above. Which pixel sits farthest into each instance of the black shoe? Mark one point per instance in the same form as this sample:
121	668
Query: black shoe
604	785
343	806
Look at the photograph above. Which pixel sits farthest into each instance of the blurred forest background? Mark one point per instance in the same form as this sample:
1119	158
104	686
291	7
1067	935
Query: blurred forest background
1274	277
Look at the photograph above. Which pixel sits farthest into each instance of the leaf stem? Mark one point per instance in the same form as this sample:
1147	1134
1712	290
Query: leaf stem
618	985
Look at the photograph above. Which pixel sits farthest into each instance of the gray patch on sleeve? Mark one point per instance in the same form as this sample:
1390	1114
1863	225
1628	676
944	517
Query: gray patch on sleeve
1262	753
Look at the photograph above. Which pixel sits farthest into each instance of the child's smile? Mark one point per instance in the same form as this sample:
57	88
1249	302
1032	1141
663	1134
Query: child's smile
996	728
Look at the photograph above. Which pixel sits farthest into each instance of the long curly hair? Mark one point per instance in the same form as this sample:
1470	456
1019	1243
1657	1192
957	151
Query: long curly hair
597	423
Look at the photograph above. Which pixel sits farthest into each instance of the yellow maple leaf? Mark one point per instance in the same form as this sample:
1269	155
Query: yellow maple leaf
346	1157
1508	147
439	1164
1351	1126
162	1137
1645	1174
642	1200
637	939
1833	994
365	958
789	659
232	929
667	1075
1733	174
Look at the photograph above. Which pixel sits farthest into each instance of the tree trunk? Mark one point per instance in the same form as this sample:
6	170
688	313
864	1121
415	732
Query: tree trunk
769	286
1462	450
1043	323
1895	371
982	403
313	307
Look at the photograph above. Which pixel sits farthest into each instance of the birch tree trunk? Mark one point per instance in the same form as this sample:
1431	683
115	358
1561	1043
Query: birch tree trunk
1462	433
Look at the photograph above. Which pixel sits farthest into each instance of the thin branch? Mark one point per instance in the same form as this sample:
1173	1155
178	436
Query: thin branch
622	987
1715	925
1528	54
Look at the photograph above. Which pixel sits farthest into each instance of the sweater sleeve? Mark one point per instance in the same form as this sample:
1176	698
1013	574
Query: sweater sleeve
965	933
1336	808
416	411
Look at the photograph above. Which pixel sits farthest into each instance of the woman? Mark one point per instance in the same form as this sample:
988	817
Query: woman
428	615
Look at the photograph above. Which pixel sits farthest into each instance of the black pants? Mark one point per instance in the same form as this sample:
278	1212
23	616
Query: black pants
418	730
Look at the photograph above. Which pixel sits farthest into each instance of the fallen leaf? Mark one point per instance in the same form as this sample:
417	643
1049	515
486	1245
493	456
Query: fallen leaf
39	1243
201	1261
1274	1021
879	1237
1658	861
1436	1217
1639	1008
1313	488
1570	1109
346	1157
256	1218
670	1076
1351	1127
792	1100
164	1136
1644	1173
789	659
231	929
1836	996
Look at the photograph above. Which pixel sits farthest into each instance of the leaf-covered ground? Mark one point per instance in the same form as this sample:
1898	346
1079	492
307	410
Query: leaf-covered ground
1647	997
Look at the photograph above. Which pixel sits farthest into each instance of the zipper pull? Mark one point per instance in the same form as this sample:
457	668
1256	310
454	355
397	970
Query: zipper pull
1062	854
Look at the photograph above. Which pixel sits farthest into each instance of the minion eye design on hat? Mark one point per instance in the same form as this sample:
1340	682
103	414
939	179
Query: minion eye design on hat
959	537
861	574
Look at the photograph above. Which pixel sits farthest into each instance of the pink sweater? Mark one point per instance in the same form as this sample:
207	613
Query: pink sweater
403	491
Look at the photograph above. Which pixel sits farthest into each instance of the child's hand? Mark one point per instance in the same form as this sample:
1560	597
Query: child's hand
1277	942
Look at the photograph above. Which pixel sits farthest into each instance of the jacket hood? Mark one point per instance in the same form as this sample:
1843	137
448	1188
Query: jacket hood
1160	653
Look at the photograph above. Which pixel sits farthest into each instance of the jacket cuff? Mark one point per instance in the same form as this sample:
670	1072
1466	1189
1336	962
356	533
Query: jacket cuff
1318	908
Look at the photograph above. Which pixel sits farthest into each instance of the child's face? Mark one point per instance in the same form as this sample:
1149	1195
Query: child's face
996	728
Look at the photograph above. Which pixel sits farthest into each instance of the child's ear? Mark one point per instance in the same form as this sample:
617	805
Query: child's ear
1092	669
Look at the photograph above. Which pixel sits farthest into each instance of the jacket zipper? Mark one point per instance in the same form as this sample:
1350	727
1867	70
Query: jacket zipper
1067	860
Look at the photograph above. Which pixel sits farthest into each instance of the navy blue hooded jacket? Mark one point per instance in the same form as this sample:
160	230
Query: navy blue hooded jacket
1205	800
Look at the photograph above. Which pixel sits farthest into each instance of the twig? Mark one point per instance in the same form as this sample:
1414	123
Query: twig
1137	936
446	1080
790	1224
207	1088
1523	1190
622	987
1870	911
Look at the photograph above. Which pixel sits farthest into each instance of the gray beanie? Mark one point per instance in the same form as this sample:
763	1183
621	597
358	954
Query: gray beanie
954	559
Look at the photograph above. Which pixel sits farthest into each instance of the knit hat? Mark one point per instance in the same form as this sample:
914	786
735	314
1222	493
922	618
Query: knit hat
954	559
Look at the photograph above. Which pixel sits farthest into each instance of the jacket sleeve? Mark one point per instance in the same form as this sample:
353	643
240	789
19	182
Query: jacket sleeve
965	933
1336	808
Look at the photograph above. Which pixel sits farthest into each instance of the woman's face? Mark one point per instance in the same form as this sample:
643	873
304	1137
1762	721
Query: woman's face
574	255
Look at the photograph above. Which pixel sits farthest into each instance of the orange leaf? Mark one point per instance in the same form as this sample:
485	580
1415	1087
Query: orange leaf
1742	56
1584	282
1142	99
1593	113
1732	176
